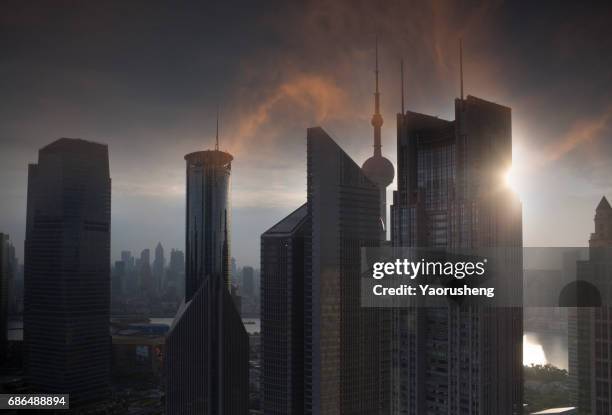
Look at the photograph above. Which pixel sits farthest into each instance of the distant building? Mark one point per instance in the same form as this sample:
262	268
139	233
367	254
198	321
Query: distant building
589	343
175	274
131	285
147	284
159	265
248	281
138	349
67	269
207	359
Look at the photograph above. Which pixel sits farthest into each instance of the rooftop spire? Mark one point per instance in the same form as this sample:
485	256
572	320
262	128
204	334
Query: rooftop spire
402	78
461	65
377	120
603	205
217	134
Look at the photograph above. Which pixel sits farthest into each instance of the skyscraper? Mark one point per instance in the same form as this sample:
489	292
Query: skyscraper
282	314
147	285
159	265
343	369
67	269
175	277
378	168
207	347
4	295
450	194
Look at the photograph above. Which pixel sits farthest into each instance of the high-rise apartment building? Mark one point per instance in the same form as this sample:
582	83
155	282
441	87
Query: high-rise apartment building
207	347
67	271
451	194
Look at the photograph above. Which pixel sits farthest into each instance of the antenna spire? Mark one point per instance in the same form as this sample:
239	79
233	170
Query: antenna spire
461	65
377	120
217	135
402	77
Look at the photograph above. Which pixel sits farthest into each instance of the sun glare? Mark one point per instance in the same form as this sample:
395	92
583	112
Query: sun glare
510	179
533	353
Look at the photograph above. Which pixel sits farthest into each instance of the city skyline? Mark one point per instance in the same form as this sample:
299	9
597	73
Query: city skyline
266	103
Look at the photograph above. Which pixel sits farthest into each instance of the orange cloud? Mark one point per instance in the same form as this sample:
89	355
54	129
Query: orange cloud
580	133
310	98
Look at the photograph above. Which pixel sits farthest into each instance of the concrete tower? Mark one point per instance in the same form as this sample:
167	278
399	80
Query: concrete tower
377	168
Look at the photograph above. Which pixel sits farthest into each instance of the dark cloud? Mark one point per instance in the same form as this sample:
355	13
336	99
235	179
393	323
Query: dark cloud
146	78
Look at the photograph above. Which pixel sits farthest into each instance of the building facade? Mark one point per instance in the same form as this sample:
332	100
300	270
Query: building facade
67	271
5	277
589	328
207	347
450	194
322	352
282	315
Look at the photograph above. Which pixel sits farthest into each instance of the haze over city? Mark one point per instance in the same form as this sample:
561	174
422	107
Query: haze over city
147	78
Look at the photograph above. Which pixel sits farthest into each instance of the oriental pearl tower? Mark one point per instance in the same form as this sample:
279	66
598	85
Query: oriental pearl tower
378	168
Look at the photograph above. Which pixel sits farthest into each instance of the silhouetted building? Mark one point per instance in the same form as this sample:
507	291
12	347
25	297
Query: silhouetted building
159	265
118	280
378	168
4	294
128	260
175	274
282	315
207	360
67	269
147	285
248	281
450	194
589	343
322	352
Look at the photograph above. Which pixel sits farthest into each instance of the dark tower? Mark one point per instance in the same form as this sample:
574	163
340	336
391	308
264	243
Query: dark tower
603	225
207	347
450	195
5	266
282	315
377	168
589	342
67	271
345	370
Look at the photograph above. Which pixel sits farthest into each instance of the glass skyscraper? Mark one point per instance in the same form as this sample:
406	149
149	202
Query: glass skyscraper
450	194
207	347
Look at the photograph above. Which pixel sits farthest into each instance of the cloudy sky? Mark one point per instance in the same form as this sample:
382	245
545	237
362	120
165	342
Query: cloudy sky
146	78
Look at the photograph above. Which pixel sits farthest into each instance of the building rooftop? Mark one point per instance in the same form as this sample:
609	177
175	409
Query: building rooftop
289	223
603	204
210	157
